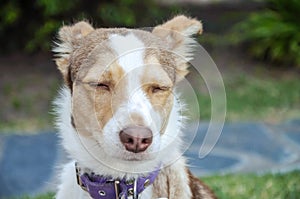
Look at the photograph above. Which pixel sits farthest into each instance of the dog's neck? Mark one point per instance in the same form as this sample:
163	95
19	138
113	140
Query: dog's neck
105	187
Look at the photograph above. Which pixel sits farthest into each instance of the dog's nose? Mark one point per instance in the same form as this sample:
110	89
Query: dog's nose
136	139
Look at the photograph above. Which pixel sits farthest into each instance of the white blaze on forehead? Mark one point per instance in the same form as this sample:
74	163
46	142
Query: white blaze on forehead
129	49
130	52
139	103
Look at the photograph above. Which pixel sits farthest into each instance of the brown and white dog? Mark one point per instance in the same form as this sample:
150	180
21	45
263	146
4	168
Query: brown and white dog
119	116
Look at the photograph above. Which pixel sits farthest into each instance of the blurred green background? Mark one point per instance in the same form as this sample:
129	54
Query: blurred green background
270	34
30	26
255	44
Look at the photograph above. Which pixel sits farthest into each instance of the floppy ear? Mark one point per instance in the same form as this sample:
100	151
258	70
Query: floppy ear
177	33
69	37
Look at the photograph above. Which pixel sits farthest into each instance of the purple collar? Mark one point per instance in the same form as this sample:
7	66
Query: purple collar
101	187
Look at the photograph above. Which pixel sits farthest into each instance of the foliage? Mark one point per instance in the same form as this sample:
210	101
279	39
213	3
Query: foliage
31	25
273	34
252	186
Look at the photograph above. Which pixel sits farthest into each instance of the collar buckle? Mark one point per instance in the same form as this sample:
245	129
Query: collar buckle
135	191
79	182
117	188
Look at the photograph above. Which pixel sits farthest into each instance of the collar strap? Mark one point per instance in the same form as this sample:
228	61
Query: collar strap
101	187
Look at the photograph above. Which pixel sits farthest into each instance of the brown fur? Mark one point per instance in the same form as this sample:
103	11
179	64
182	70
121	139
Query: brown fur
199	189
85	60
170	184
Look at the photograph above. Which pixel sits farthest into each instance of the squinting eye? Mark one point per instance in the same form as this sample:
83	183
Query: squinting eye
156	89
103	86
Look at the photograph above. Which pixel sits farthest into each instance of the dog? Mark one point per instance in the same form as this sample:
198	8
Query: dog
118	115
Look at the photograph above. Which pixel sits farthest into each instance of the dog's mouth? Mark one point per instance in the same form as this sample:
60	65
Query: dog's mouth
137	156
128	156
133	159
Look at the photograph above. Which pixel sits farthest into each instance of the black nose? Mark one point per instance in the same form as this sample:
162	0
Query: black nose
136	139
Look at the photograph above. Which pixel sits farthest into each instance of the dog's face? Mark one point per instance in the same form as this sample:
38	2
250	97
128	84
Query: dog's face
122	85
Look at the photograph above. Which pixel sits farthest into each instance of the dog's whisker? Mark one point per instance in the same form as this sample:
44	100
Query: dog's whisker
172	136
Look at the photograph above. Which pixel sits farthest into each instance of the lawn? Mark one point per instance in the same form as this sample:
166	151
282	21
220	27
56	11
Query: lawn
252	186
258	98
45	196
246	186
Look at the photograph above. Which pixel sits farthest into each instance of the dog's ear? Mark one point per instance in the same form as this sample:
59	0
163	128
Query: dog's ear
69	37
177	33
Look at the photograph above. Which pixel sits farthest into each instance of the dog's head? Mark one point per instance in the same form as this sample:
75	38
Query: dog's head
121	83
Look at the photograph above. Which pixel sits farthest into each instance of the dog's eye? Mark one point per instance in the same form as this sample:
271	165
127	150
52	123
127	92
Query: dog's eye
103	86
156	89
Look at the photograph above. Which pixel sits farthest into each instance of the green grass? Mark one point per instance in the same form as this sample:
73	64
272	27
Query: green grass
251	186
44	196
26	104
258	98
246	186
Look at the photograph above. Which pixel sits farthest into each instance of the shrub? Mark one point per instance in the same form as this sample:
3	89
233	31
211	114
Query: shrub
272	34
30	25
